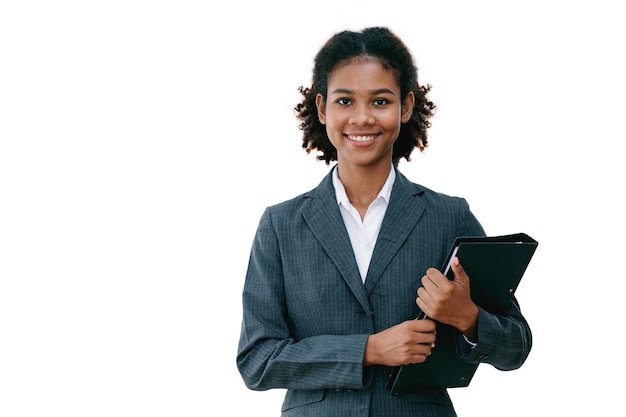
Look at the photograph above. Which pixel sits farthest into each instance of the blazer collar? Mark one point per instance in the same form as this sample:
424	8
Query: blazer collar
322	216
403	212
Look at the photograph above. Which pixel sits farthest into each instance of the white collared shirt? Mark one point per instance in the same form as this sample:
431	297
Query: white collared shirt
363	233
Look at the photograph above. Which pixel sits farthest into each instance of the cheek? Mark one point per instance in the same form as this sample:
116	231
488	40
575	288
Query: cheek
334	137
391	121
333	123
397	118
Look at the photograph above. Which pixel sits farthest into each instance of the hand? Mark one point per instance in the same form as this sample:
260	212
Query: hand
405	343
449	301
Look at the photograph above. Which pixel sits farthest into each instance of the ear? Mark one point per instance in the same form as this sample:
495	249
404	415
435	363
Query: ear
321	108
407	107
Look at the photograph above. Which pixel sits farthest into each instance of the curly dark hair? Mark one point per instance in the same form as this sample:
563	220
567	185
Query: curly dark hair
382	44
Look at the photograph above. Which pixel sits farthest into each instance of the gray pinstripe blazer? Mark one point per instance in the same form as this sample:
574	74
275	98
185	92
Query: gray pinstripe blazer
307	313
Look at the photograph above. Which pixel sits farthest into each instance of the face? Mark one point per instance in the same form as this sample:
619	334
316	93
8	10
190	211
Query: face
363	113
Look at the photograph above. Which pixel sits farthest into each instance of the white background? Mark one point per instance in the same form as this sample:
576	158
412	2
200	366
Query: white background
140	142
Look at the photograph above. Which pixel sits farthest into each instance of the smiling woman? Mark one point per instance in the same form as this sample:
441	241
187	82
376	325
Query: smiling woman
363	114
384	51
330	296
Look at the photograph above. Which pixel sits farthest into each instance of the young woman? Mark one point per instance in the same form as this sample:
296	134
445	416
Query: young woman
337	275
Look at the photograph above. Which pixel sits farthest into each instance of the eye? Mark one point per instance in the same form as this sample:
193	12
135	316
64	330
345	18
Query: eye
380	102
344	101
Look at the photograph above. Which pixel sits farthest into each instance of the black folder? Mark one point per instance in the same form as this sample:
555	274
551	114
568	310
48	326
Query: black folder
495	265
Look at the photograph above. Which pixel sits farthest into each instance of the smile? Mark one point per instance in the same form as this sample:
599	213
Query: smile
361	138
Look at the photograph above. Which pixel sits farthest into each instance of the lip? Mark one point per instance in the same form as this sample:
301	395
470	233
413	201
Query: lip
361	137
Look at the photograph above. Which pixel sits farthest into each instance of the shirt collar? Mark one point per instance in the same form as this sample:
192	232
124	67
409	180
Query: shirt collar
342	197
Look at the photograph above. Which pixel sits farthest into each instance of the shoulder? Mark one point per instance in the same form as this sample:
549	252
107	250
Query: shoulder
322	196
440	208
428	196
290	206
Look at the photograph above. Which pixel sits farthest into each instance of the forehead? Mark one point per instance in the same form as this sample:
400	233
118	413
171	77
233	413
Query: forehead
366	73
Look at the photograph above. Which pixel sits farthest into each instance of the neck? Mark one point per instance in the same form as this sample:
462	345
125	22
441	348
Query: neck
363	184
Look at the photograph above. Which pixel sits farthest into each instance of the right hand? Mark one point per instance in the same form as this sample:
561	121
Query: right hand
403	344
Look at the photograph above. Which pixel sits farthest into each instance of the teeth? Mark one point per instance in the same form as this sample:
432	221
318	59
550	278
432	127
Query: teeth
361	138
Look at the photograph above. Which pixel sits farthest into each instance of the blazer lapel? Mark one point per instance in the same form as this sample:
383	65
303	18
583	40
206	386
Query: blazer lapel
401	216
322	216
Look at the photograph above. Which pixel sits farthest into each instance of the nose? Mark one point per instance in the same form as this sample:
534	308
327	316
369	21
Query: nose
362	115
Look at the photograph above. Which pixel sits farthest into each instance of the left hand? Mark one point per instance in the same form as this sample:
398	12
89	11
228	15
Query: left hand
449	301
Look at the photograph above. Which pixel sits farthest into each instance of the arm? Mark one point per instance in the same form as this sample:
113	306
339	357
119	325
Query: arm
269	355
501	340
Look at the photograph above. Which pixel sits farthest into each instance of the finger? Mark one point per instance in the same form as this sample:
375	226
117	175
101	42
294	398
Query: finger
425	310
427	283
435	277
422	300
460	275
425	351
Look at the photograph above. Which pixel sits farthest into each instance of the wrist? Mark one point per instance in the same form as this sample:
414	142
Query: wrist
469	327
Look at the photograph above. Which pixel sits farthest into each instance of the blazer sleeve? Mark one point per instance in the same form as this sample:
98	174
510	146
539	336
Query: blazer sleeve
504	341
268	356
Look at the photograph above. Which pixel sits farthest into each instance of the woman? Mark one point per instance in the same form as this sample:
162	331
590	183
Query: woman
337	275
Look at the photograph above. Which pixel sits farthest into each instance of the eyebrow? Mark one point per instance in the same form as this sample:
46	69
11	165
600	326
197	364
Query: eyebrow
372	92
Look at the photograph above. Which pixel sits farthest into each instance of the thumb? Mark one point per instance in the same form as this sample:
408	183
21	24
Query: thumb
460	275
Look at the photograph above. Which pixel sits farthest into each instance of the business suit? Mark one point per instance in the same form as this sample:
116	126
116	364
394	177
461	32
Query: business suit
307	314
